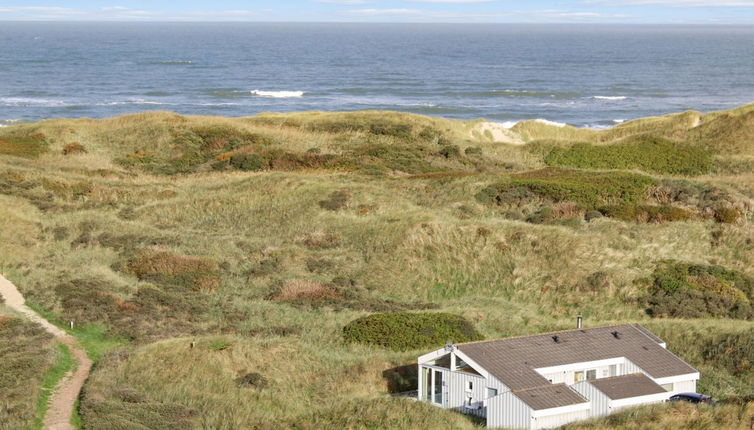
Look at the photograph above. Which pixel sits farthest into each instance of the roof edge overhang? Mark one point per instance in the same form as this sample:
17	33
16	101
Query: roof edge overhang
575	407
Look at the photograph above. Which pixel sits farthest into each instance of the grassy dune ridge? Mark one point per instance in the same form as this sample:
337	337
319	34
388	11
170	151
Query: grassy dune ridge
260	238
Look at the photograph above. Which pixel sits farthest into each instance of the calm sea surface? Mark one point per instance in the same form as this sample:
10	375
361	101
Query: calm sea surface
582	75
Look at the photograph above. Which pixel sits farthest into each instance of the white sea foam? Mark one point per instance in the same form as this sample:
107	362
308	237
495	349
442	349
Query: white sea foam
610	98
132	102
8	122
619	121
553	123
510	124
278	94
27	101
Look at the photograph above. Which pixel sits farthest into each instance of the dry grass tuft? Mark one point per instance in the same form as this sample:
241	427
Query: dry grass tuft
299	289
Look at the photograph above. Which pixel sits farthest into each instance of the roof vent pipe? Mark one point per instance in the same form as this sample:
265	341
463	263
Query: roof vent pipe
579	321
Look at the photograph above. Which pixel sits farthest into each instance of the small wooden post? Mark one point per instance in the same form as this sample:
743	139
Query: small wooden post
70	323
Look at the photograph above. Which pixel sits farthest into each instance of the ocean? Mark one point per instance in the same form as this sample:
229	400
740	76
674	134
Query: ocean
586	76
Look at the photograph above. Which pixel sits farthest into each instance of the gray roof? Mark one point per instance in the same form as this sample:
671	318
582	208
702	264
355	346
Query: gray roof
549	396
623	387
648	333
513	360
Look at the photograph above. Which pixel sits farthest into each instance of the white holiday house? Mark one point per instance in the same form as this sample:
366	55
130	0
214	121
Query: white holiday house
548	380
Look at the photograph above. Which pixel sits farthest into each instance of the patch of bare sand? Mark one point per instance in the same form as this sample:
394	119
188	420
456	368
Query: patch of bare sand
499	133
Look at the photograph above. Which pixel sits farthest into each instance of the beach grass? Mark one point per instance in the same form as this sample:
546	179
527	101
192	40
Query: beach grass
187	283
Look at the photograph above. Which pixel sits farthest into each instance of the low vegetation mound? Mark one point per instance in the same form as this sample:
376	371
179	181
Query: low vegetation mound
683	290
192	148
28	146
646	213
398	127
161	266
654	155
403	331
590	190
27	352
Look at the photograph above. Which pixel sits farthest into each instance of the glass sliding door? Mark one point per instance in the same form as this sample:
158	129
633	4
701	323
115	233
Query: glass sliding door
426	384
437	388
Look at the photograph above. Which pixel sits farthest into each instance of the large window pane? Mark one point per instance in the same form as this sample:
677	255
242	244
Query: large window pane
438	387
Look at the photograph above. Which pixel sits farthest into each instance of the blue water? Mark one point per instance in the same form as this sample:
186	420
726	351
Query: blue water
581	75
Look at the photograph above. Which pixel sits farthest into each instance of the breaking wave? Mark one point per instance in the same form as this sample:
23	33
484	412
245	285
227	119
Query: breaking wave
277	94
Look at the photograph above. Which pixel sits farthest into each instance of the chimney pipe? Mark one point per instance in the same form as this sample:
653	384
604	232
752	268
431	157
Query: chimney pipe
579	321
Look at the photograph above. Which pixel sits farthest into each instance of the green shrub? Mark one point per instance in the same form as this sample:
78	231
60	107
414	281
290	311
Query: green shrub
219	345
409	331
161	266
401	157
29	146
589	190
684	290
473	150
651	155
450	151
727	215
647	214
543	216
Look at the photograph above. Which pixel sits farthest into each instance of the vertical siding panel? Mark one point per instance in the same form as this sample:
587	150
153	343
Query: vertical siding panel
554	421
507	410
600	402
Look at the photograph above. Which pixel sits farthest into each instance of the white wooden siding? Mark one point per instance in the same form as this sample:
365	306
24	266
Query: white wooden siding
600	402
554	421
684	387
616	405
508	411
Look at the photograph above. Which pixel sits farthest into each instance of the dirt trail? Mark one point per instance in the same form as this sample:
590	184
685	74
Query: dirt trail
63	399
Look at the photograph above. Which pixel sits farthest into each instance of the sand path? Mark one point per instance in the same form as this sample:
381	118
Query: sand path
63	399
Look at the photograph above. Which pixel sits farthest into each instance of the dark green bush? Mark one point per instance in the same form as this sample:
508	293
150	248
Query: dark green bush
646	214
409	331
252	380
589	190
450	151
684	290
592	215
543	216
473	150
727	215
409	158
650	154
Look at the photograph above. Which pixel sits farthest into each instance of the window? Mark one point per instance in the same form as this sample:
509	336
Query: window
469	386
591	374
491	392
578	376
667	387
426	384
613	370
